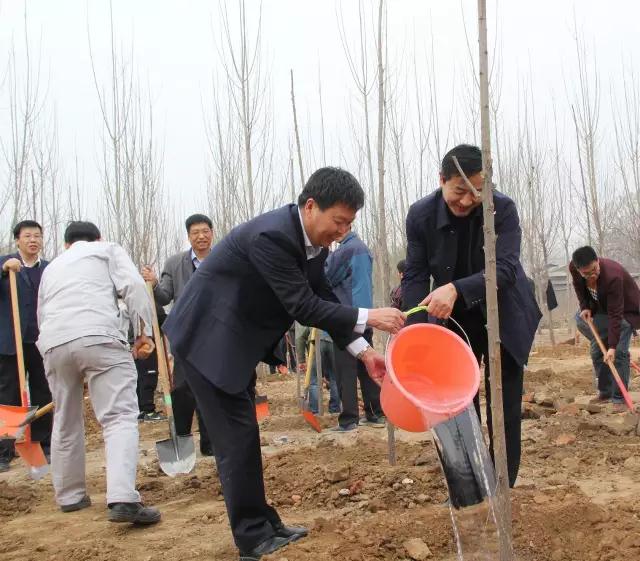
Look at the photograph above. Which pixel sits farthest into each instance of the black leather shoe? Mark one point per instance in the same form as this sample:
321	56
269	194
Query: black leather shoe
294	532
265	548
84	502
136	513
207	451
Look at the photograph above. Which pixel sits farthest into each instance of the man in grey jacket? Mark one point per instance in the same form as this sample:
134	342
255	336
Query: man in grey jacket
176	273
80	339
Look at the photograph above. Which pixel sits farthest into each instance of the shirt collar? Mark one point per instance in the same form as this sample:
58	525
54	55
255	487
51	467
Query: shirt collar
310	249
194	259
443	218
36	264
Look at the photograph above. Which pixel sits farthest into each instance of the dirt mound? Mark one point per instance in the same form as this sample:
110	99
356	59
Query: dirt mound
562	350
545	527
16	499
156	487
357	477
375	538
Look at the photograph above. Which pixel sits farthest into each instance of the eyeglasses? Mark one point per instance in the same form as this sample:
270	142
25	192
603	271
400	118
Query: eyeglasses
590	272
203	232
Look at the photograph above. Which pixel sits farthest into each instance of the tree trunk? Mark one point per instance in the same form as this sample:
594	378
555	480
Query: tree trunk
295	129
493	325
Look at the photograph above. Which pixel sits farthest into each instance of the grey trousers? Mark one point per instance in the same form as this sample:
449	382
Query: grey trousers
107	366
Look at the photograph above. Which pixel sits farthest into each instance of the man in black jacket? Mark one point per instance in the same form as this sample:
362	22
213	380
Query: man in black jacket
28	266
445	243
265	274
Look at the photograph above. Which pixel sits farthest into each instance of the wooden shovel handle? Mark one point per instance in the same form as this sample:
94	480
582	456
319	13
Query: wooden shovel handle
43	411
163	369
310	358
17	331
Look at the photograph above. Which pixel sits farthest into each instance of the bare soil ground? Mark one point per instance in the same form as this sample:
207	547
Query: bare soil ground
577	498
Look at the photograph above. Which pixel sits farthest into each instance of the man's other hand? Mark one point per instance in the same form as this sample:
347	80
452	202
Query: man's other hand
12	264
440	302
585	315
375	365
610	356
386	319
143	347
149	275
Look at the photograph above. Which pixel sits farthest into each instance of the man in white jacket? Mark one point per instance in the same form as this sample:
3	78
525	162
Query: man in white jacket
80	339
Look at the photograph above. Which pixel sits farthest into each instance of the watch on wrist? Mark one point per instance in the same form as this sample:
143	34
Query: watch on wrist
361	353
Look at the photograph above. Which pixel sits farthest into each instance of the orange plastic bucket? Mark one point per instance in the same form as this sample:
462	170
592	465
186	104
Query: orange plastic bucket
432	376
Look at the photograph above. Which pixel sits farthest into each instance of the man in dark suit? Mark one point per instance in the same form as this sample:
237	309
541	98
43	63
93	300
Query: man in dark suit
445	244
177	271
28	266
265	274
610	297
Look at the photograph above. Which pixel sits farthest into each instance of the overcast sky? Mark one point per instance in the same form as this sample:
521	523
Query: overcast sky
174	51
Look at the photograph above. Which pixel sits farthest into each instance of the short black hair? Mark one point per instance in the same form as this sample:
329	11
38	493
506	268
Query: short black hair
330	186
25	224
79	231
197	219
402	266
584	256
469	157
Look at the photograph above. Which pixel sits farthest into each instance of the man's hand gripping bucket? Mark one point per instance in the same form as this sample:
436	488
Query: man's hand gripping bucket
432	376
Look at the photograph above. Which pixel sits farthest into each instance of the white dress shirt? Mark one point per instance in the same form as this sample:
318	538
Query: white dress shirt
78	295
195	260
360	344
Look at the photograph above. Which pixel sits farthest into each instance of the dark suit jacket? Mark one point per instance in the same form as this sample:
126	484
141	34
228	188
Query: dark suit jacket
618	296
28	302
432	252
247	293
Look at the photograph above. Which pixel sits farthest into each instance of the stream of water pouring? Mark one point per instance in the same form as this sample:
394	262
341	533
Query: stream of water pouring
471	481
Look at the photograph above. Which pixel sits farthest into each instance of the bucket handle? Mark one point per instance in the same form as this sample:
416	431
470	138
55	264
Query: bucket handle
424	309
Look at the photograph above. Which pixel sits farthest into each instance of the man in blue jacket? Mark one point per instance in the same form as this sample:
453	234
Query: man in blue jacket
28	266
445	271
262	276
349	270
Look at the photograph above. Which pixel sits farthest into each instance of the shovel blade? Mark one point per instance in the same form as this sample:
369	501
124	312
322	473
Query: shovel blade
37	473
32	454
262	407
311	420
177	455
13	418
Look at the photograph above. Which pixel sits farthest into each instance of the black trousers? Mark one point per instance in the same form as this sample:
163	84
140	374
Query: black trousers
38	391
147	382
184	405
232	425
349	370
512	380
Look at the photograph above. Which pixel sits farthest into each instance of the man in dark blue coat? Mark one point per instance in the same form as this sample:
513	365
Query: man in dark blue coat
349	270
28	266
261	277
445	270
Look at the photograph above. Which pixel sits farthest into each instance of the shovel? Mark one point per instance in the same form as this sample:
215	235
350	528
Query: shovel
612	366
307	414
31	452
177	454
